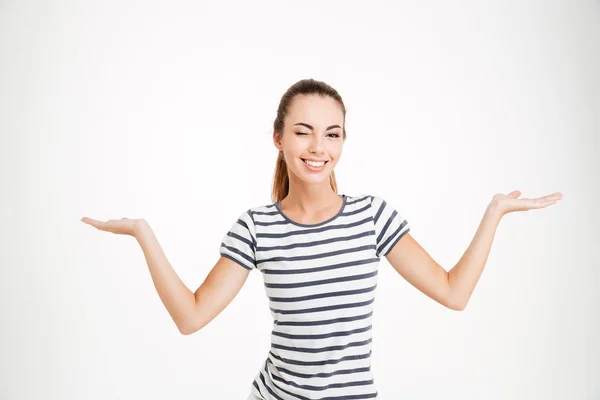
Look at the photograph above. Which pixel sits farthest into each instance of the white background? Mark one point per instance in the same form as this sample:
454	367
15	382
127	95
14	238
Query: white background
164	111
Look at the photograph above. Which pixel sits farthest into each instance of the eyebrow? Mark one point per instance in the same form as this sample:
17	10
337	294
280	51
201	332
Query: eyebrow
310	127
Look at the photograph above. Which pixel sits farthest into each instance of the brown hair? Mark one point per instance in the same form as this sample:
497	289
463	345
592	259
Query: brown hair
281	181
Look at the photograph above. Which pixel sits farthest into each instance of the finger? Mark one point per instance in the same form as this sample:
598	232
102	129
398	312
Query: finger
89	221
545	203
514	194
555	196
96	224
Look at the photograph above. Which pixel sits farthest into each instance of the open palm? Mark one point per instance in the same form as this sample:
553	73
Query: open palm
123	226
511	202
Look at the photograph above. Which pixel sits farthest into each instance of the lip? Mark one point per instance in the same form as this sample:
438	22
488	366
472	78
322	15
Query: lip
315	169
312	159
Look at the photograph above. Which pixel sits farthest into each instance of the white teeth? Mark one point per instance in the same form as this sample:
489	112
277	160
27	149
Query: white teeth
314	164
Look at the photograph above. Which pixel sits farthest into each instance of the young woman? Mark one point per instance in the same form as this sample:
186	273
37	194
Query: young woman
318	252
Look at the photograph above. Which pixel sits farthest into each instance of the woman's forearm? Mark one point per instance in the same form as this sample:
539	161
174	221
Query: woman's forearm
176	297
465	274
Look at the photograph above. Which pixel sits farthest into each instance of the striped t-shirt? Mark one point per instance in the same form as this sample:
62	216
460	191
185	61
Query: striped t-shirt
320	280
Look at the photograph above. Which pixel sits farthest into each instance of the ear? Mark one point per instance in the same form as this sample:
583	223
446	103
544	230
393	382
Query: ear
277	141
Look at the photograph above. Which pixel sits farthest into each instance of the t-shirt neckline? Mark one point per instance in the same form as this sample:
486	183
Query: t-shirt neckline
343	196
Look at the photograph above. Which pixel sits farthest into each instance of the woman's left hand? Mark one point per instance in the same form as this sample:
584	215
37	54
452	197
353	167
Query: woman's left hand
507	203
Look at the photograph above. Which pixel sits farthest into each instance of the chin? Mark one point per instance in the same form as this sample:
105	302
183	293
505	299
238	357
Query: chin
313	177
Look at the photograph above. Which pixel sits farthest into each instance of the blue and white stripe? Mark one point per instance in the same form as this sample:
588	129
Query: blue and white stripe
320	280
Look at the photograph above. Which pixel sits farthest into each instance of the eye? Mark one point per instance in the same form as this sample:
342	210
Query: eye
335	135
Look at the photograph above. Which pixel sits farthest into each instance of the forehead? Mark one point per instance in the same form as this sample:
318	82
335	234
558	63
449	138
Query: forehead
316	109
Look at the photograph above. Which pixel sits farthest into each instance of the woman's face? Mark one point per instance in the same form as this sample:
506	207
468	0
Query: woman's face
312	131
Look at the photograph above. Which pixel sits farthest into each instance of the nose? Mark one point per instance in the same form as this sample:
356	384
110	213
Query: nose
316	144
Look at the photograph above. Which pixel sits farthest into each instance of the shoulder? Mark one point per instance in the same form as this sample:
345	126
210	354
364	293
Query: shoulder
262	209
376	200
360	203
259	212
365	200
380	203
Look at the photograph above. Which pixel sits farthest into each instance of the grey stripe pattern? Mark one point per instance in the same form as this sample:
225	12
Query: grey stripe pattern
321	281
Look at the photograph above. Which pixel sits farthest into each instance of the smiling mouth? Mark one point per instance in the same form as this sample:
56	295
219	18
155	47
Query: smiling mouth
303	159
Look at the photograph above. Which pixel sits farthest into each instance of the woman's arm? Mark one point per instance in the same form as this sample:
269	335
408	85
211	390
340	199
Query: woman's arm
453	289
190	311
463	277
175	296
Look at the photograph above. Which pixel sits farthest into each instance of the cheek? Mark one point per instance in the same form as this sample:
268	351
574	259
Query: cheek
292	151
335	150
297	148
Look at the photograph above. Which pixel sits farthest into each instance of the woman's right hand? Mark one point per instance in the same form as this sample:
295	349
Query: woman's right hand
123	226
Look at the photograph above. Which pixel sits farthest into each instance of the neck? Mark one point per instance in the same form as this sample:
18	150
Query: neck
310	198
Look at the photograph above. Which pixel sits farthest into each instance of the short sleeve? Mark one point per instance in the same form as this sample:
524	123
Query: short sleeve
239	244
390	226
